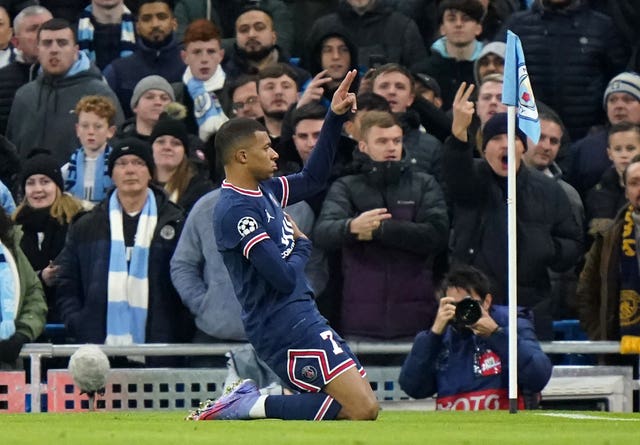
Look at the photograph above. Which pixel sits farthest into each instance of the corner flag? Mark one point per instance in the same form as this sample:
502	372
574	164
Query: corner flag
516	88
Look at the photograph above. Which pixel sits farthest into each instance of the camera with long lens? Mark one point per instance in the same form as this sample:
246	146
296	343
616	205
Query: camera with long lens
468	312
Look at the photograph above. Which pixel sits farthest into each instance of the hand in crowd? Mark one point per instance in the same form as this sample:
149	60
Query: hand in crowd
315	89
364	224
343	100
297	233
49	274
463	111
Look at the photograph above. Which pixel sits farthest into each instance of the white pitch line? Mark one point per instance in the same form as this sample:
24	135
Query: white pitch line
586	417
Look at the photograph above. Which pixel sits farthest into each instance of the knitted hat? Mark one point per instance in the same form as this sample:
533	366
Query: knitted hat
497	125
132	146
41	162
627	82
173	127
150	83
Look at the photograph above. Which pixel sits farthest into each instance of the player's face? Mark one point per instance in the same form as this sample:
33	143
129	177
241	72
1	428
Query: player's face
261	157
496	154
383	144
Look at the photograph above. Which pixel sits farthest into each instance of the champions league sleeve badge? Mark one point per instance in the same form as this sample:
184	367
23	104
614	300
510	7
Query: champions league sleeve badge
247	225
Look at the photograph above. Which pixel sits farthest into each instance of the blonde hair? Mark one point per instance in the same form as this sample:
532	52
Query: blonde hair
63	209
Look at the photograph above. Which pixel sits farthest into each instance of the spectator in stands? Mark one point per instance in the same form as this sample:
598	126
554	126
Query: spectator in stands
106	31
490	61
390	222
23	310
203	80
224	13
541	156
452	56
590	160
44	216
85	175
243	94
48	101
7	51
175	171
25	66
549	237
605	200
557	34
256	46
150	97
157	52
428	88
395	83
381	34
277	93
466	363
488	104
608	286
132	233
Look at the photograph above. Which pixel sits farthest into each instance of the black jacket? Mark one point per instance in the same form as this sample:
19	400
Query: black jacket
548	235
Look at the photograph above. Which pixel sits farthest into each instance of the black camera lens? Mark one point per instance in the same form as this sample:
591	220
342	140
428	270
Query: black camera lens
468	311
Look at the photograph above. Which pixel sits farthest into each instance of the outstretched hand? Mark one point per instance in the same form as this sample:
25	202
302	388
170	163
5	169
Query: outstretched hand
343	100
463	110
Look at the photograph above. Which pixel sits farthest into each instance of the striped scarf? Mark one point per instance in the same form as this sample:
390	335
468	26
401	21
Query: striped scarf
86	30
75	176
629	277
128	282
9	293
206	105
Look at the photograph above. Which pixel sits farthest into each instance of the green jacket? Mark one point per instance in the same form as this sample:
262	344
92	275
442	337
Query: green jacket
32	308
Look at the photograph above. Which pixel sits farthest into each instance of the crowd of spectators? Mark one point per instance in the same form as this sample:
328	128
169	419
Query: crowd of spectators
108	116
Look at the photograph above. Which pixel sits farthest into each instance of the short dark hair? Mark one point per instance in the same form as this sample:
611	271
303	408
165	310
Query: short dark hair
473	8
468	278
56	24
169	3
277	70
371	101
235	134
624	126
312	110
252	6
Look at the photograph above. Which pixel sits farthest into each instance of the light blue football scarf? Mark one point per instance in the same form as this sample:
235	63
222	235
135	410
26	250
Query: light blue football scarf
9	293
206	106
128	282
75	176
86	30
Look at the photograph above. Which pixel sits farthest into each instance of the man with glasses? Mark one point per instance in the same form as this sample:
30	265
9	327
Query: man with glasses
114	282
243	93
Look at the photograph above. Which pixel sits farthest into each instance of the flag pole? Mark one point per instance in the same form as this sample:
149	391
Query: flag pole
513	259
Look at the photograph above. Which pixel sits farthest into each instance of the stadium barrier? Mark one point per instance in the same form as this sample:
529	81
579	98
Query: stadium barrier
182	388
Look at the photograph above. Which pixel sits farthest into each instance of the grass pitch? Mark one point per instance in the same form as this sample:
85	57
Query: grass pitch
392	427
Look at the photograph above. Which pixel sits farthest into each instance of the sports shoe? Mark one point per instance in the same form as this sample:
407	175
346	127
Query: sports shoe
234	405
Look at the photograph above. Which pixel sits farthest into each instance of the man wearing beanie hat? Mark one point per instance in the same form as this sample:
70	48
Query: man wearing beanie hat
157	52
549	236
621	102
149	99
133	232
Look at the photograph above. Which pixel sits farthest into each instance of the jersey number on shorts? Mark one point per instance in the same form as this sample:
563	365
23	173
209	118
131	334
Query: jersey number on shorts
328	335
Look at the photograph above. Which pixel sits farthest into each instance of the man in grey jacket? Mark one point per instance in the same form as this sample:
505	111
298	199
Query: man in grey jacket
42	110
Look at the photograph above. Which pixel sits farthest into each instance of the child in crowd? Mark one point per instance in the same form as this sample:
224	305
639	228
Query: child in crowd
85	174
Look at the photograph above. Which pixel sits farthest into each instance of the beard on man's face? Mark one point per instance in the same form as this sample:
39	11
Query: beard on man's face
278	115
257	55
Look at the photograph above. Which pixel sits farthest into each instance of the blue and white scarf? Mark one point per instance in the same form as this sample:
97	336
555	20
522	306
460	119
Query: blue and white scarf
128	281
74	183
206	106
86	30
9	293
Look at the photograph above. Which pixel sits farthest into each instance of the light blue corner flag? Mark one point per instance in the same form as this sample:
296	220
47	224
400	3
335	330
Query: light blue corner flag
516	89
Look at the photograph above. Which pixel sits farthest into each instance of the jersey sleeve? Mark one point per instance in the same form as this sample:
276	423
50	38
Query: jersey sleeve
241	227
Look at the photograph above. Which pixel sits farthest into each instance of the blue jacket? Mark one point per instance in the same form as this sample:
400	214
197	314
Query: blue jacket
443	364
84	272
123	74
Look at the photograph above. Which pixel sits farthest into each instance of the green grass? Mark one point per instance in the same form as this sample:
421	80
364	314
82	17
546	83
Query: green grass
392	427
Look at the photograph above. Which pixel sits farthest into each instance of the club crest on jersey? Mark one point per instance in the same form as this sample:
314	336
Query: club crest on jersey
247	225
309	373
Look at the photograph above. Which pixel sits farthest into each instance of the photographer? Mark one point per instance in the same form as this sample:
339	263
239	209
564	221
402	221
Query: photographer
464	357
